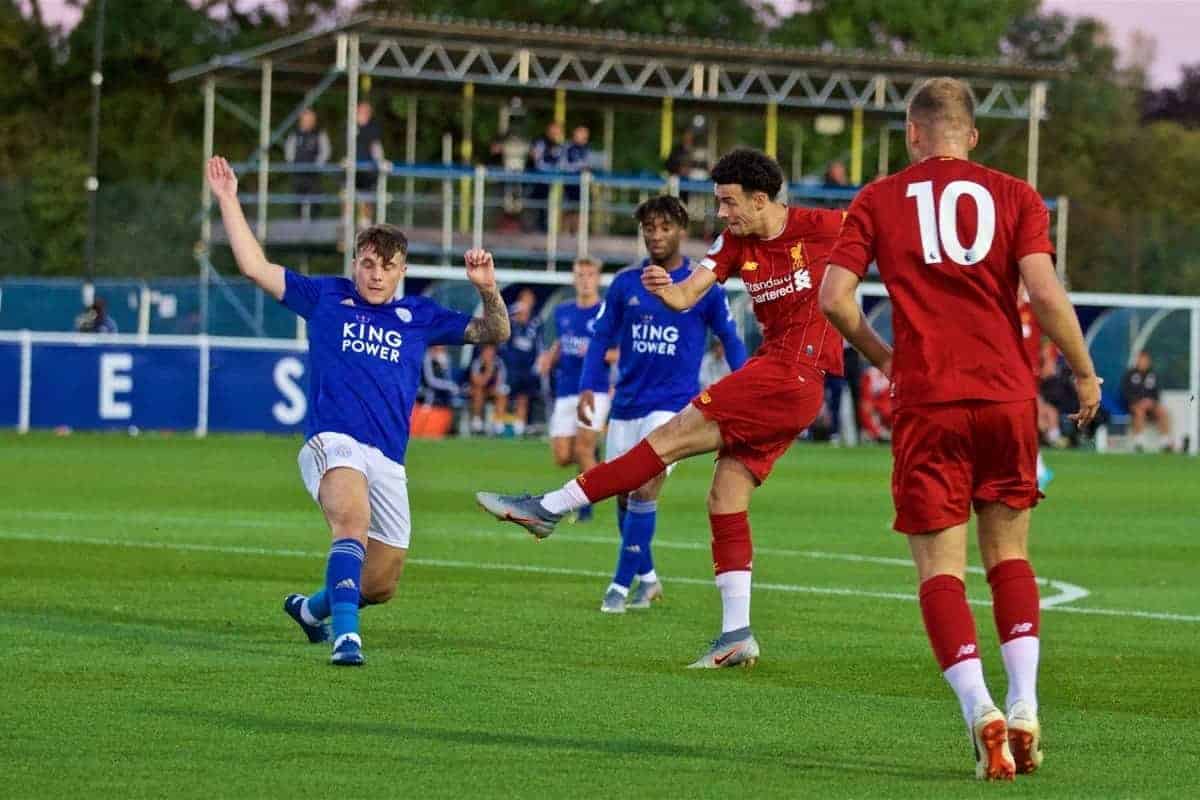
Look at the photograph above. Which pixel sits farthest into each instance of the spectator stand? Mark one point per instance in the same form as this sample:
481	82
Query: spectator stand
484	62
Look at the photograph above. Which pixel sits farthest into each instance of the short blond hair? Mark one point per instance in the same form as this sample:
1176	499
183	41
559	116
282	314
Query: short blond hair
587	261
944	105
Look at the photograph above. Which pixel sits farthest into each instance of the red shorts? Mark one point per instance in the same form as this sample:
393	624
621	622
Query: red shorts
761	409
950	455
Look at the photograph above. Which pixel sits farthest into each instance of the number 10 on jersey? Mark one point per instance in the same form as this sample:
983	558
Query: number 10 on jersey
939	232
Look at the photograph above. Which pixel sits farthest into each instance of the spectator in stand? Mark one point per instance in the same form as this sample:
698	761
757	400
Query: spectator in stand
487	381
520	356
545	156
875	406
307	145
836	176
1140	388
95	319
368	148
576	158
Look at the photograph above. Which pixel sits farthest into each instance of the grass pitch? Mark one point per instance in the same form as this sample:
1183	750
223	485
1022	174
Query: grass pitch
145	653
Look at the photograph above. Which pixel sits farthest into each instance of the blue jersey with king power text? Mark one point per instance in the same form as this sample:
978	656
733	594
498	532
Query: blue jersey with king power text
365	360
573	325
661	349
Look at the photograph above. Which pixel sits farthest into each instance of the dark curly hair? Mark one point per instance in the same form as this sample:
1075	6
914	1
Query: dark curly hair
753	170
385	240
664	206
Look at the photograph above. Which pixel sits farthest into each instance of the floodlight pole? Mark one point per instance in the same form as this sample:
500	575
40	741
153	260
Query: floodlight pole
93	181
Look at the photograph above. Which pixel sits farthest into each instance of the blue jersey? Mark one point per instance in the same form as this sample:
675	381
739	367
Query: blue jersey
365	360
521	350
573	326
661	349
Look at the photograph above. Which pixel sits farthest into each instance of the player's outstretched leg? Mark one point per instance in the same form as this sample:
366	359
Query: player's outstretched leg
1016	609
539	514
310	614
343	582
525	510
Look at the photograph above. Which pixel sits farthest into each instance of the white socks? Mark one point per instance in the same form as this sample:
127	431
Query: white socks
618	588
649	577
1021	663
735	599
966	679
568	498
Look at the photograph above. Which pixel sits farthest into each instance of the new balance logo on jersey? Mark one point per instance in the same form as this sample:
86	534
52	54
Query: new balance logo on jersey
1020	628
965	651
803	279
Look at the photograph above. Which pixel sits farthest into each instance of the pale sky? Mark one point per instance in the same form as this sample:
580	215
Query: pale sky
1174	25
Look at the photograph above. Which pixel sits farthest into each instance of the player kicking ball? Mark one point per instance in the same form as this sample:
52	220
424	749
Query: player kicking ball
658	371
365	350
952	240
751	417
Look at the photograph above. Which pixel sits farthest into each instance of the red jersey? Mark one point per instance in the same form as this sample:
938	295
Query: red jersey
1031	337
947	235
782	277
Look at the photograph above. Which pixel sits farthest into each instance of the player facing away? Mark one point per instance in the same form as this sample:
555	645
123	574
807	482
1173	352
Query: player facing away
658	372
365	349
751	417
952	239
573	441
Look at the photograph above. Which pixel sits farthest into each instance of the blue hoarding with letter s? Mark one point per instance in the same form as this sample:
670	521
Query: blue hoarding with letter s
194	383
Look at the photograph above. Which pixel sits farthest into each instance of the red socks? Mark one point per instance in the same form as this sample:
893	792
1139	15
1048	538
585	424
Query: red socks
731	546
948	620
1015	601
621	475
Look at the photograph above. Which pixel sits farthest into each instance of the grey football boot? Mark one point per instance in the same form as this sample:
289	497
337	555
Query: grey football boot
613	602
732	649
525	510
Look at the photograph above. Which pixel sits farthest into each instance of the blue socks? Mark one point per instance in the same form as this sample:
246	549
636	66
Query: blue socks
621	512
637	529
343	580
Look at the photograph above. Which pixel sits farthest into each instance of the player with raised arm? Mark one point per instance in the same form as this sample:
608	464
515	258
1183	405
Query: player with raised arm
658	374
573	441
365	349
952	239
750	417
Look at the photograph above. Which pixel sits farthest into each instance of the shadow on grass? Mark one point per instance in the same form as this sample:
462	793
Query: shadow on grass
244	722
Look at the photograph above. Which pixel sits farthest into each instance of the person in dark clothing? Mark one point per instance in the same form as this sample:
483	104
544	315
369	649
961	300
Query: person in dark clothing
545	156
95	319
368	148
576	156
520	355
1140	389
308	144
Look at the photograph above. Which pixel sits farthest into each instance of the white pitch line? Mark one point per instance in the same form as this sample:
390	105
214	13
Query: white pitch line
533	569
1067	592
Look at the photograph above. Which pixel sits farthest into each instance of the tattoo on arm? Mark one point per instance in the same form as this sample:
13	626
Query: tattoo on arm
492	327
